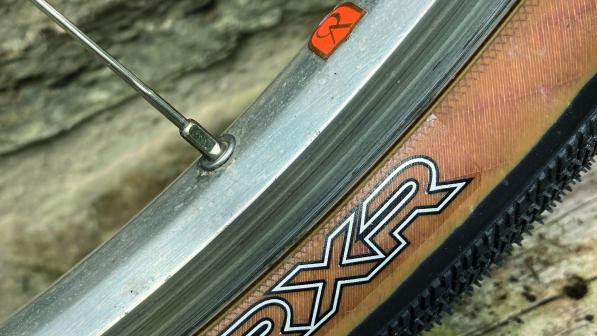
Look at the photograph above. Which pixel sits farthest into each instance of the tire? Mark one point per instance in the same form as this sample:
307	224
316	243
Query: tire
537	184
378	264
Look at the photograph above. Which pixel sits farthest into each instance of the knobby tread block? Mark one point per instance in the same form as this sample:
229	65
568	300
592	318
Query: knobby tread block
544	191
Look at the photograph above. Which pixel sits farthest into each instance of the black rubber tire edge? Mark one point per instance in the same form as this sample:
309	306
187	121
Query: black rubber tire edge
540	180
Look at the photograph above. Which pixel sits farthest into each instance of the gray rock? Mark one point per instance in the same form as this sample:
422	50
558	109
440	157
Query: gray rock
48	84
80	153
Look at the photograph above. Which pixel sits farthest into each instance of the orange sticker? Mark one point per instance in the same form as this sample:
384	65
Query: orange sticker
335	29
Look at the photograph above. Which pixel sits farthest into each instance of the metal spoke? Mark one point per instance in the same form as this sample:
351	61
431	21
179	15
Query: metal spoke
216	151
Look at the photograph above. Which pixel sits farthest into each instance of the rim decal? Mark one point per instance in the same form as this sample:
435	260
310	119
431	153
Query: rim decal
335	29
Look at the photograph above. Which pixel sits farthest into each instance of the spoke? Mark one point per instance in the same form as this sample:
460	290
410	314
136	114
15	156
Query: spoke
216	151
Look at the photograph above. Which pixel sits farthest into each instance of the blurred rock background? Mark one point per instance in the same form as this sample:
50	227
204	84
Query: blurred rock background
80	153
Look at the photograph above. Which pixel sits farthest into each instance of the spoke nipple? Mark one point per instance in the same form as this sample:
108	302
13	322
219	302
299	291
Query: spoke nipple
227	143
215	151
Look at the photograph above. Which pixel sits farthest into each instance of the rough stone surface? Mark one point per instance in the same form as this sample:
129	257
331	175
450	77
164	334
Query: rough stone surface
81	154
48	84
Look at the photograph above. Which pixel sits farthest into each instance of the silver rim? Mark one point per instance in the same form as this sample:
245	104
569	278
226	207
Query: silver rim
301	146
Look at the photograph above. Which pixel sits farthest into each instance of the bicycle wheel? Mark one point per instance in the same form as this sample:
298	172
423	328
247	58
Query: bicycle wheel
360	200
